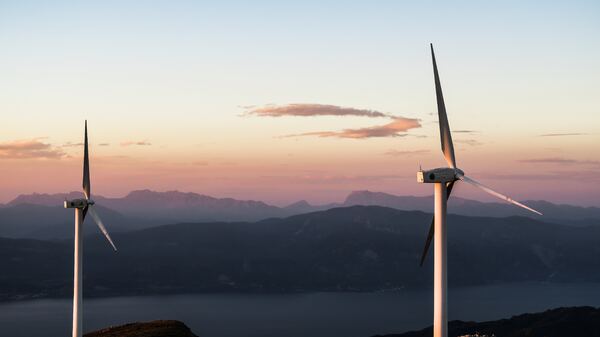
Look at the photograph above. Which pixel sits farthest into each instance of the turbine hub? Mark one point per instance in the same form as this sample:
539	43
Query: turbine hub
438	175
78	203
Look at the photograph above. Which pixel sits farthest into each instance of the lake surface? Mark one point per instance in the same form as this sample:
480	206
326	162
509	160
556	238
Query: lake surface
294	315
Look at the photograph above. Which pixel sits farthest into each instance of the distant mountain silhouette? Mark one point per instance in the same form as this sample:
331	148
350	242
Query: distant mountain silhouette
561	322
167	206
54	222
303	206
145	208
359	248
565	214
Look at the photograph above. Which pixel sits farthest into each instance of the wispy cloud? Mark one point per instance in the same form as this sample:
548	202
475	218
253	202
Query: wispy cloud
332	179
394	129
304	110
471	142
139	143
558	160
32	148
588	175
69	144
464	131
398	153
563	134
104	144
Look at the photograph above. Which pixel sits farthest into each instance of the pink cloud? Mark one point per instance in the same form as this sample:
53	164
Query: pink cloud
25	149
312	110
394	129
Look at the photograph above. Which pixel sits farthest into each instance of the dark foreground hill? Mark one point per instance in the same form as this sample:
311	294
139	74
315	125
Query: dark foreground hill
561	322
360	248
145	329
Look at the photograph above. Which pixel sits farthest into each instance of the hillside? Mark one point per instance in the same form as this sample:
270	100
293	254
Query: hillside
561	322
145	329
342	249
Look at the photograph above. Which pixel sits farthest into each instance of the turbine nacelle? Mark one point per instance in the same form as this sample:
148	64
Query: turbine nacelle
439	175
78	203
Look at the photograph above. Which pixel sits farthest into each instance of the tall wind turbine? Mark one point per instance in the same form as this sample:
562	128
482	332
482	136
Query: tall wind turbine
82	207
443	180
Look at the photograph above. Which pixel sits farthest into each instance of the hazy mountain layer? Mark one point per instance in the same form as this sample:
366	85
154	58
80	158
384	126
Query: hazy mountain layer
143	209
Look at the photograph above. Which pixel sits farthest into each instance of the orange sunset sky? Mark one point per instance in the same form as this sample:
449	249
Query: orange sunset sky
280	102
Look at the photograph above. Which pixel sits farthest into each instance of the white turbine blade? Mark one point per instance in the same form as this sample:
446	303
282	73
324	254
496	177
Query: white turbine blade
86	166
101	225
445	136
496	194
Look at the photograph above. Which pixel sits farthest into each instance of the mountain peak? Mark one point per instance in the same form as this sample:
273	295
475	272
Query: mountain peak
301	203
44	199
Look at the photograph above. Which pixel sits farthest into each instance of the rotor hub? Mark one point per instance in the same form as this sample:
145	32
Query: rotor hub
78	203
439	175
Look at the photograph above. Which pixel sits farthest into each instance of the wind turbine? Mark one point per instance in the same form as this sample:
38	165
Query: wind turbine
443	180
82	207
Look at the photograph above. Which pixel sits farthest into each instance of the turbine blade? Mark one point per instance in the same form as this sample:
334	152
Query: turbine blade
445	136
86	167
101	226
496	194
428	241
432	226
85	210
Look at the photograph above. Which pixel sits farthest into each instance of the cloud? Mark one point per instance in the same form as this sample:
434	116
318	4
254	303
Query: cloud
104	144
332	179
563	134
471	142
393	129
69	144
551	176
397	153
313	110
140	143
32	148
465	131
558	160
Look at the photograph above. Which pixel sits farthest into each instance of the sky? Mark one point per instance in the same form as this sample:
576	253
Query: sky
282	101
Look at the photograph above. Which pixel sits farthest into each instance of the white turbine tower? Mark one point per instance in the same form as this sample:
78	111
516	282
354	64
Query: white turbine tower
444	179
82	207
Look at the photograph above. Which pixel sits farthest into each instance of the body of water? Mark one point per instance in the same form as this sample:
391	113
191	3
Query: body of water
294	315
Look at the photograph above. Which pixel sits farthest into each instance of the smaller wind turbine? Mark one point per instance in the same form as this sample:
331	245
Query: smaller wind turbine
444	179
82	207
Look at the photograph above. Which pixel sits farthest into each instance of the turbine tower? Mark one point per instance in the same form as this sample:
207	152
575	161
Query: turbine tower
443	180
82	207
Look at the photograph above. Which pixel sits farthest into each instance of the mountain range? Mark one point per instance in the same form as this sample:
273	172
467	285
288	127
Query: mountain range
41	216
358	248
